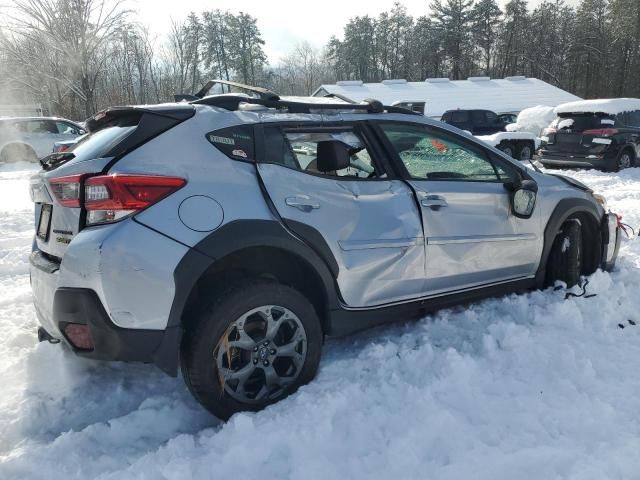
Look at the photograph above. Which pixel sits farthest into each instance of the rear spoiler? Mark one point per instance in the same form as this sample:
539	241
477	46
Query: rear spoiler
175	112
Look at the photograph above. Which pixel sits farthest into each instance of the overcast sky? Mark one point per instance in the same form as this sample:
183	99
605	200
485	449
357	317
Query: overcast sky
283	23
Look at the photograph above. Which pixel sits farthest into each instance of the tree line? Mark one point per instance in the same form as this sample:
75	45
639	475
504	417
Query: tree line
78	56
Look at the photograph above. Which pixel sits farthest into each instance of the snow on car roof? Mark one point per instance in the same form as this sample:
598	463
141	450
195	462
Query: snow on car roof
610	106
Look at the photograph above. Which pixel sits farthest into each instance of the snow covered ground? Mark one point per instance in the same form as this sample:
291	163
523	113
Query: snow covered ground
523	387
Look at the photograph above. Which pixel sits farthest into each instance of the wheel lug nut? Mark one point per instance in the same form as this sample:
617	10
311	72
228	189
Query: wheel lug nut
266	363
255	349
255	361
272	351
265	343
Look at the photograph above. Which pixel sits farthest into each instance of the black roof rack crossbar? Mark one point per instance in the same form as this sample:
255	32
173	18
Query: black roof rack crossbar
232	102
204	91
262	93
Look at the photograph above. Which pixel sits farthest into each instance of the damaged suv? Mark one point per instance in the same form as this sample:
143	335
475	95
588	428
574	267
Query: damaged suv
230	234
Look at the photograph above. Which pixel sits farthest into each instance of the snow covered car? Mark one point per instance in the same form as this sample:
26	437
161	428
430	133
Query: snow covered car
231	234
603	134
30	138
491	129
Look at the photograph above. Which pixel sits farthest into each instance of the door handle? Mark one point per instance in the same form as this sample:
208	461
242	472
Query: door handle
434	202
302	202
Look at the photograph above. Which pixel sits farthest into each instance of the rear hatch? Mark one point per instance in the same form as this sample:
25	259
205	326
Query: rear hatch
57	189
574	133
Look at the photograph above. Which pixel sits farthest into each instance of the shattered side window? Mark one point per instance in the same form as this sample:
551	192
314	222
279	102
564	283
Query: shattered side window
298	149
433	155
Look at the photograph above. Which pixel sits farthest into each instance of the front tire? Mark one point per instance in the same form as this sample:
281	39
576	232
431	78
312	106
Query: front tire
565	258
17	152
253	346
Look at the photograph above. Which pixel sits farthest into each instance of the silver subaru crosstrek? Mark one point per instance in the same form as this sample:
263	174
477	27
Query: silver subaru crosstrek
229	234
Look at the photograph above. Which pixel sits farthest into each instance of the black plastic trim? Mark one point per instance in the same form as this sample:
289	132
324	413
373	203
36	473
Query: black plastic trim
345	322
82	306
564	209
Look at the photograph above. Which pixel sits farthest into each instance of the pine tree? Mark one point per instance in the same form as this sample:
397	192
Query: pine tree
454	20
486	16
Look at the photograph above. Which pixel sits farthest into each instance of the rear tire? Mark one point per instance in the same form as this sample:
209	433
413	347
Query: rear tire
526	152
625	160
508	148
230	369
565	258
17	152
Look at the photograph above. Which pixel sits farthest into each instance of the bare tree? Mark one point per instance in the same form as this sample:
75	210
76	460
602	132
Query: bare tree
75	31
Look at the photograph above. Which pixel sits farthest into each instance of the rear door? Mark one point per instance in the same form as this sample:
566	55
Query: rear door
366	218
472	238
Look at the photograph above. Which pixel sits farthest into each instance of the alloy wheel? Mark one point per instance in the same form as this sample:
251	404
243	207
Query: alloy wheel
624	161
261	353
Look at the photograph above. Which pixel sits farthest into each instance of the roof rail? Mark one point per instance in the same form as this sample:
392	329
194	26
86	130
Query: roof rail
204	91
232	102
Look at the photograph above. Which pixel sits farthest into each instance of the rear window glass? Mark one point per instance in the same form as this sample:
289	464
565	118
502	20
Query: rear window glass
581	122
235	142
100	143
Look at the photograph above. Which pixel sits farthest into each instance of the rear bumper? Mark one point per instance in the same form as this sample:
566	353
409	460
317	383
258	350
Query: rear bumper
58	307
83	307
119	281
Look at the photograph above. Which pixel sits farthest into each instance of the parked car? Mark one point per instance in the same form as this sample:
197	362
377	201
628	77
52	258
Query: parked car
603	134
65	145
488	127
230	235
28	139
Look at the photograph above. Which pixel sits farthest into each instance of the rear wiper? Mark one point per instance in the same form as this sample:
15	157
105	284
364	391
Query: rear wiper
53	160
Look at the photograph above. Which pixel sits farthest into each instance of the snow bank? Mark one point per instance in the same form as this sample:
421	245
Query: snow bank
612	106
535	119
521	387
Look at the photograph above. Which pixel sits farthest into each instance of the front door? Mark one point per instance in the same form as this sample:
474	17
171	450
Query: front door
472	238
370	222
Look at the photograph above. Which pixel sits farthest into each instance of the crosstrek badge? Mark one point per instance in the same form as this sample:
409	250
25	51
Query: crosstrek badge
225	140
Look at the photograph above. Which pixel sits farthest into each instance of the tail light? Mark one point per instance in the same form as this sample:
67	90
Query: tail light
110	198
60	148
601	132
67	190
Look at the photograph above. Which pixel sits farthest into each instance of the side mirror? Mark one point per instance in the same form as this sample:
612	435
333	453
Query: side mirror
523	197
332	155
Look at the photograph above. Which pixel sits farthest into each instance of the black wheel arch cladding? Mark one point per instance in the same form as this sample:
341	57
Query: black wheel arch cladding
234	237
565	209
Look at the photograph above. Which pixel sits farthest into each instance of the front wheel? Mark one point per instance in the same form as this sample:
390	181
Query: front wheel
565	258
17	152
255	345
